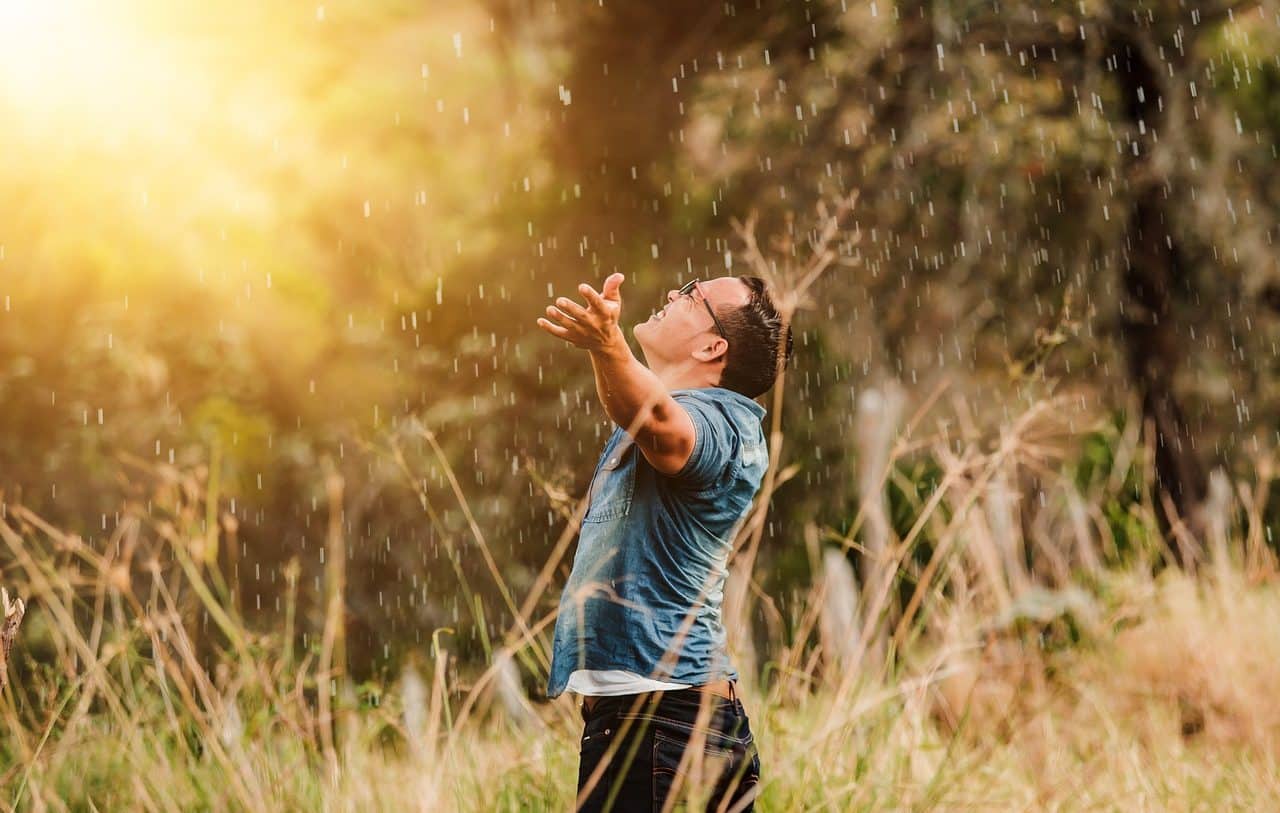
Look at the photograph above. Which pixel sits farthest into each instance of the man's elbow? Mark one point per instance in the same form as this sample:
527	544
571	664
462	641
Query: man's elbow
666	455
668	444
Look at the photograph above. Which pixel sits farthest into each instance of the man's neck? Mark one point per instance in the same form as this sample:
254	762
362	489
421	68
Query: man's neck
675	378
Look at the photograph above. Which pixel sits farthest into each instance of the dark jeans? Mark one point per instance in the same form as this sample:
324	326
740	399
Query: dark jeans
641	739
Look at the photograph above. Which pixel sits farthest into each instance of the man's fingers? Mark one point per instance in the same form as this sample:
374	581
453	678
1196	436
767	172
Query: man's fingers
562	326
568	320
572	308
554	330
594	298
560	316
612	284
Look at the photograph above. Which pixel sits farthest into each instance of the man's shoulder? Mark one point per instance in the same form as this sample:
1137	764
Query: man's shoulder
735	421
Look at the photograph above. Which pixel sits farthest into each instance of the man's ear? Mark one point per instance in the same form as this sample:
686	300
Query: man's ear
715	350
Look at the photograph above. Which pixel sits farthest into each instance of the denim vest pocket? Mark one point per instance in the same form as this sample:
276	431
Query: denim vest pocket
754	454
613	486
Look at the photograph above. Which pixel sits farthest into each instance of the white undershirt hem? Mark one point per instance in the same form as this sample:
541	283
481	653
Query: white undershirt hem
613	682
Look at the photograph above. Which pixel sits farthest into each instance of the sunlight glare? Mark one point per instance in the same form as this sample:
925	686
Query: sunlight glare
75	61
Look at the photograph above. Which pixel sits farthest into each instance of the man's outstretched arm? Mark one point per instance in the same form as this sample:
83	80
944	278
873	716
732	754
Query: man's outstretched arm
639	402
633	397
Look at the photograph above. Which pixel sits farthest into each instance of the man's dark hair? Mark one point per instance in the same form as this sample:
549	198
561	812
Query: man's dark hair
754	331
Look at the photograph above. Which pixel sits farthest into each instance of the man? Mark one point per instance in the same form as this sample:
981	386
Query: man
639	634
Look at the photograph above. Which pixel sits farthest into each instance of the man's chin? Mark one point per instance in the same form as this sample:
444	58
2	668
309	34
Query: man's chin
640	331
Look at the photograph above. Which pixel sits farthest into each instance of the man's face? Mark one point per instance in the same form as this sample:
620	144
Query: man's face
683	327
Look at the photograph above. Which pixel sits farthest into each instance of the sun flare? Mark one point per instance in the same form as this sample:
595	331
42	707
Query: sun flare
66	55
124	106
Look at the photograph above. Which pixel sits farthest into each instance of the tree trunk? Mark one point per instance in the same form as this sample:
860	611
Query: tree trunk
1151	270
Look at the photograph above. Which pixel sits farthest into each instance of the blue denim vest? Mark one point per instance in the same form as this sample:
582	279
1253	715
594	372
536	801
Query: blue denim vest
648	576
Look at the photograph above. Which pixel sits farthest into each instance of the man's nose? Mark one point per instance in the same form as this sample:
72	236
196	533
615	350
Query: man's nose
672	294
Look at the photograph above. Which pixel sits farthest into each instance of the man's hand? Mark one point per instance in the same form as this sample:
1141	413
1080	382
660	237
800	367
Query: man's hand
632	395
594	327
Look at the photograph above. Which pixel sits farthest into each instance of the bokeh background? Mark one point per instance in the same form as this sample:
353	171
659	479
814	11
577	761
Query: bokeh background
251	244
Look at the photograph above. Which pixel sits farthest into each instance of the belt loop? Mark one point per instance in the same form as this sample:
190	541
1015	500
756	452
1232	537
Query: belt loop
733	695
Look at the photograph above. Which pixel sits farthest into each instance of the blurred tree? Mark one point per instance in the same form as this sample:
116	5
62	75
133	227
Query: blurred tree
343	226
1010	154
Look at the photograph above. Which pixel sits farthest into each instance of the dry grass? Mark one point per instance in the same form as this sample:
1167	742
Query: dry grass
1107	730
995	661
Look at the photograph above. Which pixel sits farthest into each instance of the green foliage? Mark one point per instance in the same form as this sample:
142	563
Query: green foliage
342	227
1119	494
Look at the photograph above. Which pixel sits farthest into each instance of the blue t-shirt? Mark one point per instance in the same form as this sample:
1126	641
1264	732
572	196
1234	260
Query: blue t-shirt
648	576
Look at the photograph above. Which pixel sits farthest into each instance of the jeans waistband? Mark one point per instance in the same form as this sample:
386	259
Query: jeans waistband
644	702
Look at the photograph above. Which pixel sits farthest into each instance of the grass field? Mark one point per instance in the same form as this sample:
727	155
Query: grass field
1172	704
1081	684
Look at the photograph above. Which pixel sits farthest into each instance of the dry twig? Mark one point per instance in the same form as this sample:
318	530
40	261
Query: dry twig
13	613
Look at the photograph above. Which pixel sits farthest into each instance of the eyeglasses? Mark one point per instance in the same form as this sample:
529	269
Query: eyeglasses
688	289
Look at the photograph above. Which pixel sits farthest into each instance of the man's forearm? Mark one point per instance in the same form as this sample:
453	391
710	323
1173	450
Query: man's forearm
633	397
